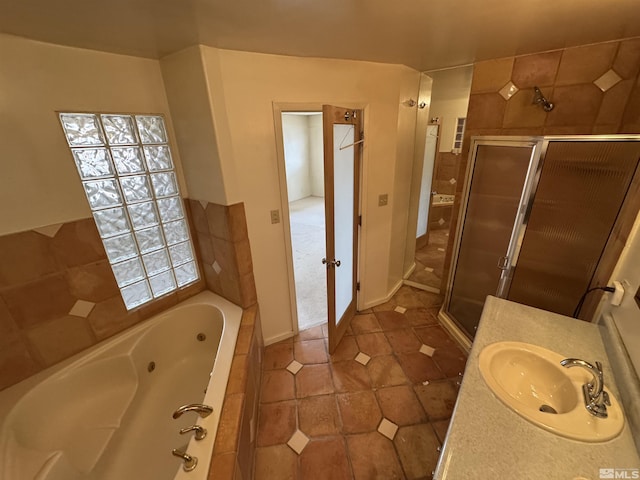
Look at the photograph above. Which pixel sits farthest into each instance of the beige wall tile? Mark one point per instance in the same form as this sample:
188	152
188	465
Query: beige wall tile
614	102
242	252
93	282
78	243
575	105
229	426
198	216
491	75
222	467
159	305
631	118
24	257
16	362
204	247
248	290
536	70
237	222
585	64
60	338
110	317
521	112
486	110
225	255
627	61
217	219
7	324
39	301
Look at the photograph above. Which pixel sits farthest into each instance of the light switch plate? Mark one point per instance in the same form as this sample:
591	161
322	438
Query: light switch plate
383	199
275	216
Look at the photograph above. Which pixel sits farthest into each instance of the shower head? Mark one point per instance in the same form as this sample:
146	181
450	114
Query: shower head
539	99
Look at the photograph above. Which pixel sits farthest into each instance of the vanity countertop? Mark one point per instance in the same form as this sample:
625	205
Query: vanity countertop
487	440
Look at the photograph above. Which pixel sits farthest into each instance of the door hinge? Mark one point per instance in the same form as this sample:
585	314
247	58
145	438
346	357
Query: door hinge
362	135
358	286
360	220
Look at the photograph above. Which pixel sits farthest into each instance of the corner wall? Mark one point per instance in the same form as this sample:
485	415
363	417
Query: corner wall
243	87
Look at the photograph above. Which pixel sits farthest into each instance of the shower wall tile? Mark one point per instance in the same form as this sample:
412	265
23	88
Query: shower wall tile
627	61
486	110
585	64
614	102
575	105
223	247
566	78
42	276
535	70
492	75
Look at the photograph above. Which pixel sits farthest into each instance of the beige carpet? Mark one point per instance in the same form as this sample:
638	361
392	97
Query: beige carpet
308	244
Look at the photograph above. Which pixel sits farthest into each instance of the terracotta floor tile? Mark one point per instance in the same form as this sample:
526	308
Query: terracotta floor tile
359	411
310	351
314	380
350	376
386	371
313	333
318	416
373	344
391	320
277	385
421	317
435	336
428	299
409	297
347	349
277	423
276	462
366	323
437	398
403	341
451	360
325	459
386	306
441	427
373	457
278	355
417	447
400	405
419	367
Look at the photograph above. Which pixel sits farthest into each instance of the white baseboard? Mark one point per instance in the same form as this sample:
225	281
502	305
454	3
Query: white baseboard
382	300
278	338
426	288
410	271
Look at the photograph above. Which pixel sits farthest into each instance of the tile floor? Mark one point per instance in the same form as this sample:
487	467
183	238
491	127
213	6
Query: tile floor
378	408
430	260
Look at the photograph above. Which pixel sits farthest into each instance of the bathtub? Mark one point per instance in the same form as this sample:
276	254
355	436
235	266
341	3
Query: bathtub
106	413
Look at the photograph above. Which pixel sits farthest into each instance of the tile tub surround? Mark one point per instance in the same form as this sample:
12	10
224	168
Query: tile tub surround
234	449
223	247
376	408
58	296
482	427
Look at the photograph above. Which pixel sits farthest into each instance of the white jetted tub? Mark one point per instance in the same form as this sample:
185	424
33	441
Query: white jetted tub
106	413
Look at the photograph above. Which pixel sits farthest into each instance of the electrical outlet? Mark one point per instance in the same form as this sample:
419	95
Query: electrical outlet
383	199
275	216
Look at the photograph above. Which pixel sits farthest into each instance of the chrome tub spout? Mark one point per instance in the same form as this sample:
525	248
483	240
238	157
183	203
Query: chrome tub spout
202	410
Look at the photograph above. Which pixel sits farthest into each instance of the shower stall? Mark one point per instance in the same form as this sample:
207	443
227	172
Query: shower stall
536	215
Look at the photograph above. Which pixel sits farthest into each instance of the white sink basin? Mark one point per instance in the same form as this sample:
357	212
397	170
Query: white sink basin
530	381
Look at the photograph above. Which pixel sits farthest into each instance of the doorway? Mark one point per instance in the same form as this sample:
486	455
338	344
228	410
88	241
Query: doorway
304	169
320	155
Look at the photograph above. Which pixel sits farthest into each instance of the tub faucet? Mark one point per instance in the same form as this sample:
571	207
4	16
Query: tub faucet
203	410
596	399
201	432
190	462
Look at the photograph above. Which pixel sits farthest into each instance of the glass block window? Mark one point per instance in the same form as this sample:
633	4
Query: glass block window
124	163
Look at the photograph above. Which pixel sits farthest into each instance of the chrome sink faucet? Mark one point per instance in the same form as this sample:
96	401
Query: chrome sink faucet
203	410
596	399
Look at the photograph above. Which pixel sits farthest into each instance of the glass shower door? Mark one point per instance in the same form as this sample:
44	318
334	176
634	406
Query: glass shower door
497	190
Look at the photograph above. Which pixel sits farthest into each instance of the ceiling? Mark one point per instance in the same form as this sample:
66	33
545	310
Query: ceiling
423	34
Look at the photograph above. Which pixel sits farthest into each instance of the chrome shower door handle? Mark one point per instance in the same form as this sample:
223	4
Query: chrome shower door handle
503	263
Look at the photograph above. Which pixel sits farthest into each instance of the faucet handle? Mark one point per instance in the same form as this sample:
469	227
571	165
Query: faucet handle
605	398
201	432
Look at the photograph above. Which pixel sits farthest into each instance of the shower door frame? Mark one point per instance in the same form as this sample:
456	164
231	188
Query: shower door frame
525	204
522	217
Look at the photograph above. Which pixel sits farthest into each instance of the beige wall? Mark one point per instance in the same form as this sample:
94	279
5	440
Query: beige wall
244	86
38	179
